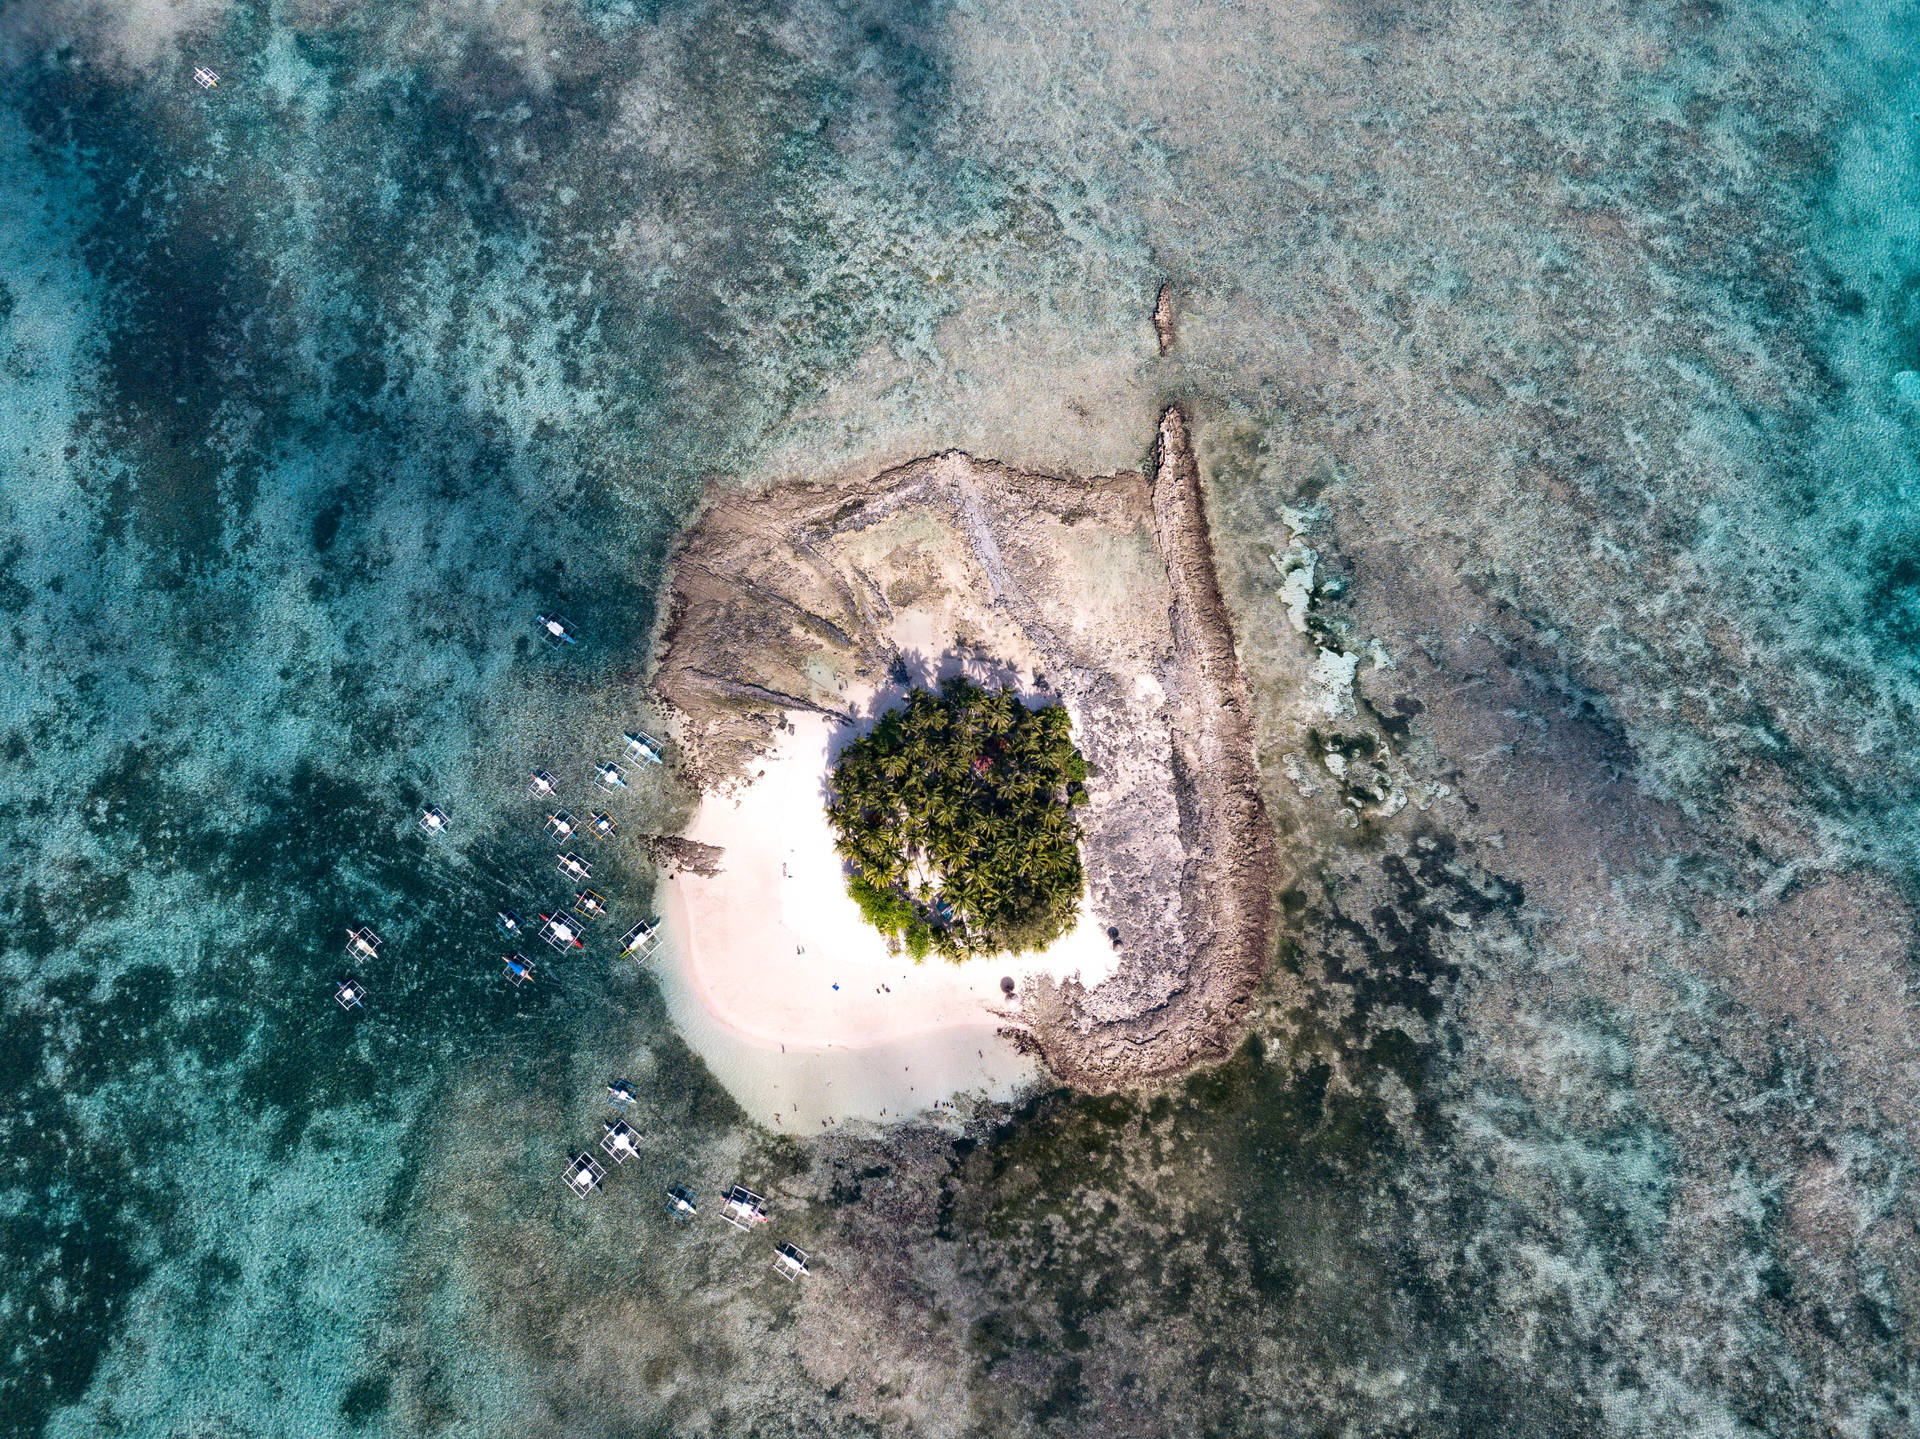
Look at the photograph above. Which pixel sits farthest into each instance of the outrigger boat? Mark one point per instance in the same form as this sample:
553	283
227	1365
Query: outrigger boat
743	1208
583	1174
562	932
790	1262
620	1142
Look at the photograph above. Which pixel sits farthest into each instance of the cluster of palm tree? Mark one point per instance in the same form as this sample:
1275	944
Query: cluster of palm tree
956	819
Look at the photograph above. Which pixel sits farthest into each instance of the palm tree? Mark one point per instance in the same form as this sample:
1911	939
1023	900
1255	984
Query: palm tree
955	815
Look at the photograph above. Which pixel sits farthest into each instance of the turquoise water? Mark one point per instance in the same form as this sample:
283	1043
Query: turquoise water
1585	336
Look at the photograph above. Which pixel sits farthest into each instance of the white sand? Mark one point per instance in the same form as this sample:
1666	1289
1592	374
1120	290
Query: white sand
791	997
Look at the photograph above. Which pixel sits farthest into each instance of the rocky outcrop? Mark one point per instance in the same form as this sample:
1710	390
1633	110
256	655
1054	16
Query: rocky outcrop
675	853
1226	885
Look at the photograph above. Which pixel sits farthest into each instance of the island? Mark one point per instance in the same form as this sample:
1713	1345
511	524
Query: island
801	616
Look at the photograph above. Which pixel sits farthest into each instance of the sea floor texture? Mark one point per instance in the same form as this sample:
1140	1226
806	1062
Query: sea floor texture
1555	371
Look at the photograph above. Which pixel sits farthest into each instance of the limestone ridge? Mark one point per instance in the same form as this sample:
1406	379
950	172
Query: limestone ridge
1226	884
832	596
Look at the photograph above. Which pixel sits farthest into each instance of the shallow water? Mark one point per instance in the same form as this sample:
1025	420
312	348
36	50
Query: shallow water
1580	340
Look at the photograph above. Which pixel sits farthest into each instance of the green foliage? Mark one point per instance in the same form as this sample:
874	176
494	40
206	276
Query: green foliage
956	818
885	912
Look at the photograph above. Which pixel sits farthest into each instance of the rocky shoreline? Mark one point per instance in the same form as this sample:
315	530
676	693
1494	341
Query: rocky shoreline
830	597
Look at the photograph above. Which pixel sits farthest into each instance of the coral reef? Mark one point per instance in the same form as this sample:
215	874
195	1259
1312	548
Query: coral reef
1550	374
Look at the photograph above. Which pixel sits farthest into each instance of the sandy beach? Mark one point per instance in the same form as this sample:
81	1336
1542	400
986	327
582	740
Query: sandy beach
777	980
